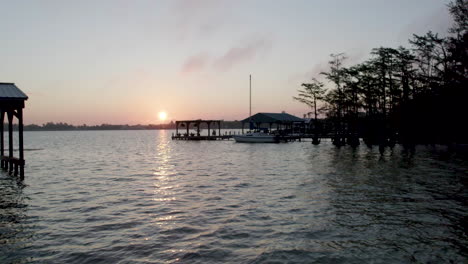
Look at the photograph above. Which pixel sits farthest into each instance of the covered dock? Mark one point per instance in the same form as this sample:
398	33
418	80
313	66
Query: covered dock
211	125
12	103
279	121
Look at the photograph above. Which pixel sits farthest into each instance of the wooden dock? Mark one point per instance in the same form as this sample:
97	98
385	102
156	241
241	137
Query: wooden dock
196	137
192	131
280	138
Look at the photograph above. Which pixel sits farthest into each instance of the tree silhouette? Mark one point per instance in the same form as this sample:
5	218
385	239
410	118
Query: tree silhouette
311	94
335	97
411	95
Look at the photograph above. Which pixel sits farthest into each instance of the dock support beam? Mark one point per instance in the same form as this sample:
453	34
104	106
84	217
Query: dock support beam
10	140
20	142
10	163
2	142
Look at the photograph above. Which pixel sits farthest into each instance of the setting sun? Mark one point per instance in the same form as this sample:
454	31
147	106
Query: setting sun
162	116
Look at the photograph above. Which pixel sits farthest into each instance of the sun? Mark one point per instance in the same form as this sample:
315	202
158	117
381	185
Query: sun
162	115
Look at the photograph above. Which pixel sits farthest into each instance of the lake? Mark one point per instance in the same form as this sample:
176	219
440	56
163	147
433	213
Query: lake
139	197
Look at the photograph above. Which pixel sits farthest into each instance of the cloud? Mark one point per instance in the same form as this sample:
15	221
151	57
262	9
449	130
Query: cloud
306	76
242	53
195	63
355	56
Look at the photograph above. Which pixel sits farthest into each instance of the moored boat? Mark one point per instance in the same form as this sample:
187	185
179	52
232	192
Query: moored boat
256	137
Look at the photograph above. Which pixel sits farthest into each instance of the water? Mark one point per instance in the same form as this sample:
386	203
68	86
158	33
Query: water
139	197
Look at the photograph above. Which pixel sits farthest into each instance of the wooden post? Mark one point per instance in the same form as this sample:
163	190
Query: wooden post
242	127
10	139
219	128
20	143
176	128
208	123
187	124
2	115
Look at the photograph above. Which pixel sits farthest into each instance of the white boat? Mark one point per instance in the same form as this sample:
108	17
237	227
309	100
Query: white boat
256	137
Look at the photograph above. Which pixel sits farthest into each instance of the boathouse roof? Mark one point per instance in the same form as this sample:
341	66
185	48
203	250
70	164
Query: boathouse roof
273	118
9	91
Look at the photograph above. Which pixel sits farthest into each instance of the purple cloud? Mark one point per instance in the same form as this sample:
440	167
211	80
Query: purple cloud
195	63
242	53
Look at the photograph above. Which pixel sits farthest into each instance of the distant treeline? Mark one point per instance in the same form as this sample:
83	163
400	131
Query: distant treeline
51	126
409	95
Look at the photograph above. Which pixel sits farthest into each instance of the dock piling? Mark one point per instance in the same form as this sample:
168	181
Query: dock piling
12	103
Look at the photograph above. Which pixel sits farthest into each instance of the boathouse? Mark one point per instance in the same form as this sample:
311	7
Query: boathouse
12	104
279	120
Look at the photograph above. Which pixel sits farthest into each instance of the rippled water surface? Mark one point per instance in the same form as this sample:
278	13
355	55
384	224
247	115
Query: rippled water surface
139	197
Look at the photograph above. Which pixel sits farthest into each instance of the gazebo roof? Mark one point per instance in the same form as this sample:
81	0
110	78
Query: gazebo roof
9	91
198	121
273	118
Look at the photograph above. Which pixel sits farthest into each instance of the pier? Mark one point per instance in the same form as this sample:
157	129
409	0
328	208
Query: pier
284	123
211	125
195	137
12	103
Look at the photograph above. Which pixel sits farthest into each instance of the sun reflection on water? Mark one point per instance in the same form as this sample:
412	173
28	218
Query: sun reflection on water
164	188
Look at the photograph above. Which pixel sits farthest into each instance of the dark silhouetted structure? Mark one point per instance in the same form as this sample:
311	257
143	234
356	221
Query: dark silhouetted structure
196	124
282	120
12	104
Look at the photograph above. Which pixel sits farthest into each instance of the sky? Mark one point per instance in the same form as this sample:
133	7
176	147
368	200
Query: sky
123	62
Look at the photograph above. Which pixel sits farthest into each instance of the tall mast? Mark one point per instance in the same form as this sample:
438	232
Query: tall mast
250	98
